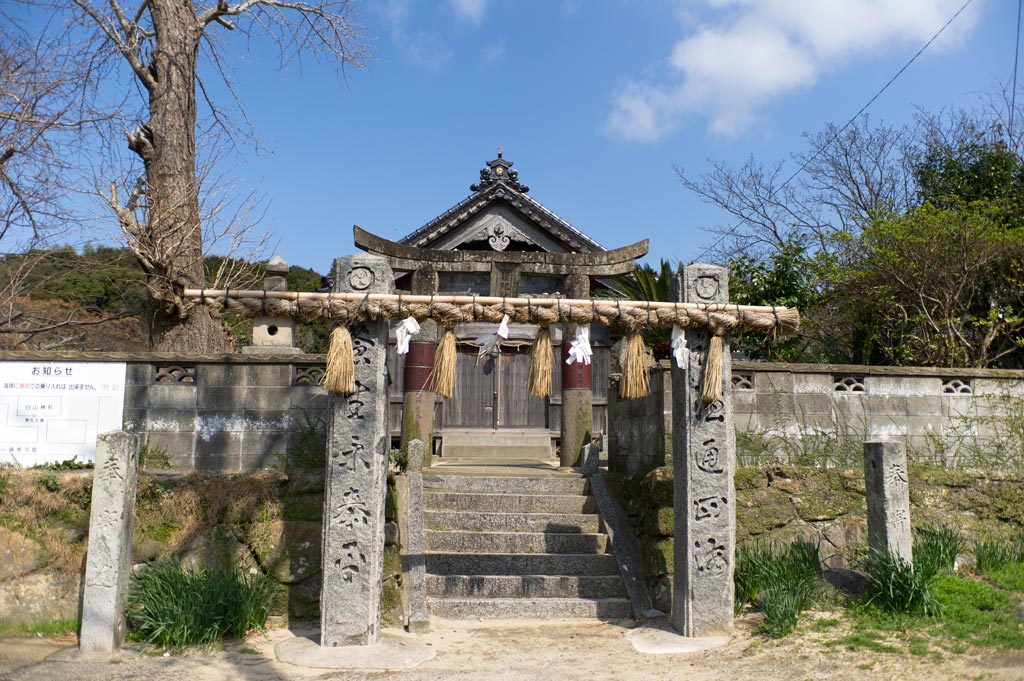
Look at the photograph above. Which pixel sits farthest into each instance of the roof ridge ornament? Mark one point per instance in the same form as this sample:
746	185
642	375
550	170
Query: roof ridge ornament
499	171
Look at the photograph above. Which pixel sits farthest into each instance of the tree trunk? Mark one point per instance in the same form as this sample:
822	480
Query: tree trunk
169	153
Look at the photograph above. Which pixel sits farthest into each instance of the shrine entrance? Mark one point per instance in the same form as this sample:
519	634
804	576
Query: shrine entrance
500	242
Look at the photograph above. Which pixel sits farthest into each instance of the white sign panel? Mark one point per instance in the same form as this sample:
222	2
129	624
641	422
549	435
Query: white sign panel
53	411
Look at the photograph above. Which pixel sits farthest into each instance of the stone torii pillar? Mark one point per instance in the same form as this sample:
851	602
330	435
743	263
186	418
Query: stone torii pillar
355	484
704	443
419	398
577	386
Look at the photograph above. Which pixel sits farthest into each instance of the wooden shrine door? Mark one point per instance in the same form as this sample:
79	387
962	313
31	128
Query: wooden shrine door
492	394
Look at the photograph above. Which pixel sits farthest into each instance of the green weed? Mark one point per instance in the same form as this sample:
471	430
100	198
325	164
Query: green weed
55	627
993	553
154	455
781	580
935	549
170	606
896	587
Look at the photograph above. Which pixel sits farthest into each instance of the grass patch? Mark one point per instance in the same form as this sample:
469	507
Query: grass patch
994	553
978	613
171	606
57	627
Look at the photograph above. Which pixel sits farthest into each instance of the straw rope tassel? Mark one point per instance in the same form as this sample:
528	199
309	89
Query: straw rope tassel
711	382
442	378
542	364
636	380
340	377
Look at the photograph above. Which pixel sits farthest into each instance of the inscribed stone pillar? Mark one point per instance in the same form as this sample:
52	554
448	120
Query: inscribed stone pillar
888	498
108	562
703	442
577	386
356	479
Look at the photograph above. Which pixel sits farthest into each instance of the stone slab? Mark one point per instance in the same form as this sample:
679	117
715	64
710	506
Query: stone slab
661	639
392	652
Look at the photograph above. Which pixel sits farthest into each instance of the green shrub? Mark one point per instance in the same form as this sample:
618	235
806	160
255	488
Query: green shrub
935	549
49	482
170	605
896	587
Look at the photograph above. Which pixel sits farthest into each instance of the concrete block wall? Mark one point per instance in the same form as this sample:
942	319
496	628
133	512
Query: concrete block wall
958	416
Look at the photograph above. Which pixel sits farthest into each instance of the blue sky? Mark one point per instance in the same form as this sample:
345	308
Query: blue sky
595	101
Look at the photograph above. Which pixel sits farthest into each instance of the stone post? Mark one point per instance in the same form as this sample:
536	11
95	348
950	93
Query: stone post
108	562
888	498
355	485
577	387
418	399
703	443
414	551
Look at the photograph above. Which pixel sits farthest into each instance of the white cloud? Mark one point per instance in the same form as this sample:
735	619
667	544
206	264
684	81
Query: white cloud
469	10
748	53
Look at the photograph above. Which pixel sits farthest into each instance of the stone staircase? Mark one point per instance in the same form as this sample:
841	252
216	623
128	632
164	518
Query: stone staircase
517	543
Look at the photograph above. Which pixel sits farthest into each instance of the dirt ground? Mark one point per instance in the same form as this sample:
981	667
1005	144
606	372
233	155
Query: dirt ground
509	650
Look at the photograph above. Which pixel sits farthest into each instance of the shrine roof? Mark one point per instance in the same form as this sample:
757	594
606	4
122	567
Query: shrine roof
499	185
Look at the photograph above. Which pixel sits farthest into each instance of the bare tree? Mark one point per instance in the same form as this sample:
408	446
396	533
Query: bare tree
46	107
848	178
162	43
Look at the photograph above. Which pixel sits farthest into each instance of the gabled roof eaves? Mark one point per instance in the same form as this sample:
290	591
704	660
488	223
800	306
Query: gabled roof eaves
474	203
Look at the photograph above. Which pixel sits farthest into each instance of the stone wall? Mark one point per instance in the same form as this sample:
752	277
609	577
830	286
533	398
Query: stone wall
217	413
240	413
811	413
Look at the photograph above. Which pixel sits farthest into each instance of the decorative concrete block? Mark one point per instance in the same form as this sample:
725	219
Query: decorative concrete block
108	562
705	454
888	498
356	479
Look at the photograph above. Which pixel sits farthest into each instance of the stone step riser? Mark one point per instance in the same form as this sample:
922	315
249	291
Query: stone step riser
472	521
515	542
525	586
533	608
506	485
507	503
520	564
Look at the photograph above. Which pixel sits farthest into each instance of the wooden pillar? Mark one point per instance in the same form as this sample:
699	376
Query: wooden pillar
577	386
418	399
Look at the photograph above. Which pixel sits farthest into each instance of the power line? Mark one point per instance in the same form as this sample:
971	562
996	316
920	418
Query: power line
1016	58
821	148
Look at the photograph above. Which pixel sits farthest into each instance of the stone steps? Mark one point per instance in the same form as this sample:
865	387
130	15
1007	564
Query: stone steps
532	608
516	542
525	484
527	545
508	502
480	521
521	564
525	586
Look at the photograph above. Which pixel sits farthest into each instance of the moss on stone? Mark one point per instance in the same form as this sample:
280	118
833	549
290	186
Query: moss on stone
749	477
660	558
307	507
759	511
